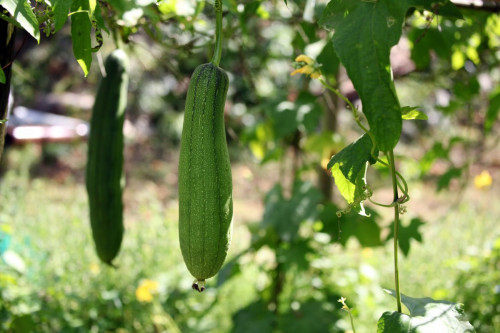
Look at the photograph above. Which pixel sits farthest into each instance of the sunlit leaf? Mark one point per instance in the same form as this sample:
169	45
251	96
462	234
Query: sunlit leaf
21	12
2	76
426	316
348	167
411	112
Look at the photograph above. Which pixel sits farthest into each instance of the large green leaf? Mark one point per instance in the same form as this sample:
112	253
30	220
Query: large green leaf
426	316
23	14
80	34
364	33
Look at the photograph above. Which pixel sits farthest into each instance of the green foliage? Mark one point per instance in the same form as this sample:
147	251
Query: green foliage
407	233
302	115
284	216
69	290
479	289
287	231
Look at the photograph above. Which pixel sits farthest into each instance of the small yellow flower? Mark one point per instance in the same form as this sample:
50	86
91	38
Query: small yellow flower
306	65
483	180
304	58
145	291
94	269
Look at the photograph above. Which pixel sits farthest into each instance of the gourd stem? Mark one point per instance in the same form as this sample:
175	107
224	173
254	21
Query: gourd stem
218	33
117	38
396	227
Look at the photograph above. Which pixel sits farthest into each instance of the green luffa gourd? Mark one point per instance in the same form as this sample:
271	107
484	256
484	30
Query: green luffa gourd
104	173
205	185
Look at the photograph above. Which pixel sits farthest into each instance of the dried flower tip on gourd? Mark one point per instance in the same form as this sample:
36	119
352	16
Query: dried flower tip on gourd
306	65
199	285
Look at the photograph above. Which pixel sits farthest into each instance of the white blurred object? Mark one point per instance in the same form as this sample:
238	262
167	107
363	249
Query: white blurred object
14	260
31	125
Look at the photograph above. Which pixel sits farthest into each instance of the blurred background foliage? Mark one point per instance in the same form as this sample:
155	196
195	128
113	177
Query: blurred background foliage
292	257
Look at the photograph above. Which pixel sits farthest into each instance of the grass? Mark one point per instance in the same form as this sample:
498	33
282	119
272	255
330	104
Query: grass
64	287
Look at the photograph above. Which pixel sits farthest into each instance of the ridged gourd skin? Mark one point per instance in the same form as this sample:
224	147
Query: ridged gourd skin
205	184
104	173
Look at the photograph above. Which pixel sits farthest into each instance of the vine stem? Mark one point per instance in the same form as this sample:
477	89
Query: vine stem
218	33
396	227
354	113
